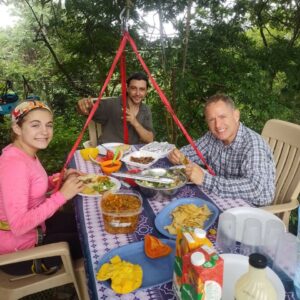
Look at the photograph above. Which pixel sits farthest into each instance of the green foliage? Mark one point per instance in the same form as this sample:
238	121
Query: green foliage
243	49
66	131
247	49
4	132
293	225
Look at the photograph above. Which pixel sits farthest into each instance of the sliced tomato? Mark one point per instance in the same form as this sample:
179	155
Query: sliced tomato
129	180
109	154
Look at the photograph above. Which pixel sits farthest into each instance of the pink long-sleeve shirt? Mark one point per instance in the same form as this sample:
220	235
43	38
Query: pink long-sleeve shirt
23	201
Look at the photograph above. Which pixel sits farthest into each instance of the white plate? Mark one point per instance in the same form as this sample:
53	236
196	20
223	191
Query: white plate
115	188
141	153
112	147
242	213
160	148
235	265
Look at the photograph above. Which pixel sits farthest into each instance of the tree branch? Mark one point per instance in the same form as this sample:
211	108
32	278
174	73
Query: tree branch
41	36
187	34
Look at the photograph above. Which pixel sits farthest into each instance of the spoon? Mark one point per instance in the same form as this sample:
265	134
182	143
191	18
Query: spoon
93	160
150	178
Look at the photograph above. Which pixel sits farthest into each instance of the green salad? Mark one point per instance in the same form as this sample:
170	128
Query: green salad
177	175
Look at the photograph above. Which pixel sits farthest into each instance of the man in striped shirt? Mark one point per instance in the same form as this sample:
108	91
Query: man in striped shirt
241	159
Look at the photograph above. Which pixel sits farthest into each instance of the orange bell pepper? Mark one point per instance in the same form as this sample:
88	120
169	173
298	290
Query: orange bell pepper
154	248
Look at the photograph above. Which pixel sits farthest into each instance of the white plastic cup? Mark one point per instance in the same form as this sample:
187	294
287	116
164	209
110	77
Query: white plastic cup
297	271
286	255
274	229
226	233
252	237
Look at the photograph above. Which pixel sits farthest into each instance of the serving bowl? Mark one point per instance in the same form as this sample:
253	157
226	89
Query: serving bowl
108	166
150	189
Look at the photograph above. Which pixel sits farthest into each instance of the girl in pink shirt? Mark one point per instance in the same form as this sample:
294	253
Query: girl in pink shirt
24	204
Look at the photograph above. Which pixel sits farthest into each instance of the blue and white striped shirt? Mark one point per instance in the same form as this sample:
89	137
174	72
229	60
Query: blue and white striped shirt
245	169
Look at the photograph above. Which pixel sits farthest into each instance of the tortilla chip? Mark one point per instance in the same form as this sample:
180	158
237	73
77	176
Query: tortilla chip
188	215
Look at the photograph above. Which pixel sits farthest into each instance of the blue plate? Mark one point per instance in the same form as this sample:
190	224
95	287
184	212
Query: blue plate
155	271
164	218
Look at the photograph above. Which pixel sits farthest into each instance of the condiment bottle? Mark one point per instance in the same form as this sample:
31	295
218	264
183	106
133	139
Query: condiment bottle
255	285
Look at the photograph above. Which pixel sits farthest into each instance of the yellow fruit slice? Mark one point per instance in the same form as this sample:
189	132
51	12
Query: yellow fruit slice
125	276
87	152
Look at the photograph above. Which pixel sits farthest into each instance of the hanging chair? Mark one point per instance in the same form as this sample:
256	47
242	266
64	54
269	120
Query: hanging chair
8	99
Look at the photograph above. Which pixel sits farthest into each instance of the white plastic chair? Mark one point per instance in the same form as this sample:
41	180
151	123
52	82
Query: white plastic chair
15	287
284	140
95	131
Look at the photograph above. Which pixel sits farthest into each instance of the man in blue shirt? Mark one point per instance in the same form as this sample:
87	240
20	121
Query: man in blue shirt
240	157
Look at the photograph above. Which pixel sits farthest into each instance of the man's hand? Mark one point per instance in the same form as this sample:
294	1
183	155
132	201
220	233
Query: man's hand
195	173
84	106
131	117
176	157
146	136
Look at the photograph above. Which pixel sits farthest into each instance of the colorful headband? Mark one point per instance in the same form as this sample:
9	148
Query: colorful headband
25	107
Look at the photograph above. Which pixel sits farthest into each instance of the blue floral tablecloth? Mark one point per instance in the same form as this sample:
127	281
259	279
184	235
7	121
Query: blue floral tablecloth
96	241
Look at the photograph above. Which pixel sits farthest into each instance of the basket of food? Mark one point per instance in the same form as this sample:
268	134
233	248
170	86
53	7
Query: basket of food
151	188
121	211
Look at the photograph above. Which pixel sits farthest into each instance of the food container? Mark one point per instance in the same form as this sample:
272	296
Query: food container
121	211
108	167
159	148
150	189
198	269
140	159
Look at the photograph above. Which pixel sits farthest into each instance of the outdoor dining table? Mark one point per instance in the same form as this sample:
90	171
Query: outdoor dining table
96	242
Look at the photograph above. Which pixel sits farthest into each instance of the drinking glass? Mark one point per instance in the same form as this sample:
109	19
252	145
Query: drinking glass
274	229
286	255
251	237
297	273
226	233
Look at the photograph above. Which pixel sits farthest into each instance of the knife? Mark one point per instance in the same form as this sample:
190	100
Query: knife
164	180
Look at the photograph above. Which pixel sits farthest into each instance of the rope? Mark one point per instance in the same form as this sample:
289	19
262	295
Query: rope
94	108
120	55
167	104
124	96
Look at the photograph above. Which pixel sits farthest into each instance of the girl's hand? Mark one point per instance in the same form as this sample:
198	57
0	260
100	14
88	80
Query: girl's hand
71	187
72	172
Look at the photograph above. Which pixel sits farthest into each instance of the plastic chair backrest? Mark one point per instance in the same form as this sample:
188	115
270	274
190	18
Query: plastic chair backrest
95	131
284	140
15	287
